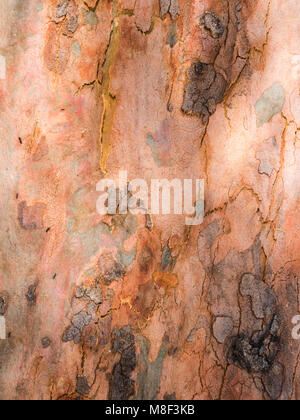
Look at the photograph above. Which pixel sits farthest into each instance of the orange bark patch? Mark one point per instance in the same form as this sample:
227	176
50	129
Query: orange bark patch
166	280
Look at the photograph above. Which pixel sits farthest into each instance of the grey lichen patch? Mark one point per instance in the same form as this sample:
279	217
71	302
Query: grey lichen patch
110	269
213	24
66	14
222	328
204	90
80	292
150	373
205	242
150	141
72	334
169	6
75	331
94	294
126	224
90	18
172	36
92	238
122	387
270	104
238	15
72	24
126	258
92	308
82	386
76	49
265	168
256	354
81	320
61	9
273	381
262	298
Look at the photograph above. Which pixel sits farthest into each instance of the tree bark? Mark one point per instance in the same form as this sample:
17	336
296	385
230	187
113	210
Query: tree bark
145	307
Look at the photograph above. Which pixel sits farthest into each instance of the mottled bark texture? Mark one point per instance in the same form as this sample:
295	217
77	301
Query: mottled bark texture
122	306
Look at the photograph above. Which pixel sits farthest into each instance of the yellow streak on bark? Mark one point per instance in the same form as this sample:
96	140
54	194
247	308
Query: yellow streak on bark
109	102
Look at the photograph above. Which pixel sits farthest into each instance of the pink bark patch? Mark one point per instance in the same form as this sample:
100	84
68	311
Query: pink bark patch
31	217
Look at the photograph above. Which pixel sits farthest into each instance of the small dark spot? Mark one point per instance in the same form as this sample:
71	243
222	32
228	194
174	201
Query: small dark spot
173	350
48	230
170	397
198	68
213	24
17	196
20	140
31	294
54	277
46	342
82	386
170	108
9	335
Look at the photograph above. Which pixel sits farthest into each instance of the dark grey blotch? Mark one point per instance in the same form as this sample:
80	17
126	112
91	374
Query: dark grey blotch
46	342
72	334
256	353
31	294
82	386
205	89
2	306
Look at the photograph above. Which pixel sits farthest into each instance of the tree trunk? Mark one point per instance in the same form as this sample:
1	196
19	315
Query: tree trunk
144	306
